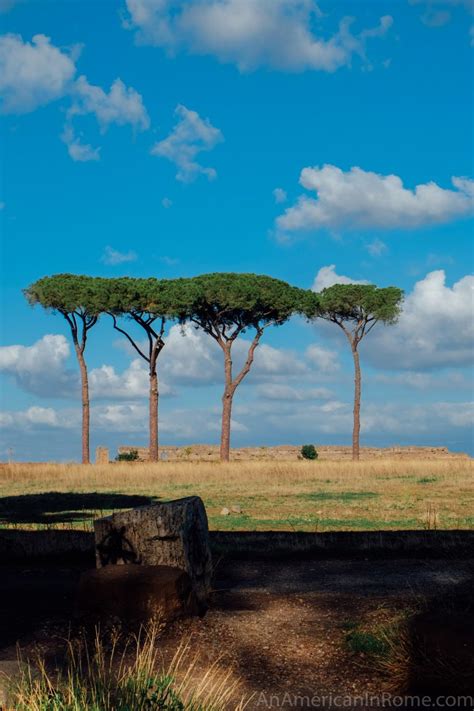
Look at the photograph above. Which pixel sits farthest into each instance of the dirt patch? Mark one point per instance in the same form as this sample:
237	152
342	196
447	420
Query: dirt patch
280	626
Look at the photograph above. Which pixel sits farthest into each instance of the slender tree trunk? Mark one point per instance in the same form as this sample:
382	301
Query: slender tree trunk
357	393
226	405
230	388
85	406
226	419
153	416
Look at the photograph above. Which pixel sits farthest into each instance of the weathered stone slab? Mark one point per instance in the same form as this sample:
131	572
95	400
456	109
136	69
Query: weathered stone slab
173	533
136	594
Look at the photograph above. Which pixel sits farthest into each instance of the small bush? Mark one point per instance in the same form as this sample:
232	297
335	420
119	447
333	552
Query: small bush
131	456
308	451
367	643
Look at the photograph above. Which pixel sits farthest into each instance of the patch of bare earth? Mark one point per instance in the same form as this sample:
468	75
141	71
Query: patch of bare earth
279	626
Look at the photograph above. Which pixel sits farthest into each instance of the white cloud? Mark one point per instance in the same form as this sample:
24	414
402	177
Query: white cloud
425	381
195	359
435	423
131	384
438	12
323	359
169	261
377	248
279	391
457	414
251	33
269	361
431	419
113	257
436	327
33	74
190	357
131	417
40	368
190	136
78	151
166	202
2	205
35	416
327	277
358	199
122	105
279	195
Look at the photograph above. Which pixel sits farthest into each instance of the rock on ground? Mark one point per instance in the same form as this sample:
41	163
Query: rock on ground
174	533
136	594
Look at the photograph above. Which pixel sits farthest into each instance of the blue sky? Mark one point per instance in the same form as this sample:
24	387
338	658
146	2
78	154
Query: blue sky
173	172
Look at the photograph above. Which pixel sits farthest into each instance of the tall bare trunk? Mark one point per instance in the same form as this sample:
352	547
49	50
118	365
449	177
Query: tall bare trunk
357	392
226	406
85	406
225	432
153	416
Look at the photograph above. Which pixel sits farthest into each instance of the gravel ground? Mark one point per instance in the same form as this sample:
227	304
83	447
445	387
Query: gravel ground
279	626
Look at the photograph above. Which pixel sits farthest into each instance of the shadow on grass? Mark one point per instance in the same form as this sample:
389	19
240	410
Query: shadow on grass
59	507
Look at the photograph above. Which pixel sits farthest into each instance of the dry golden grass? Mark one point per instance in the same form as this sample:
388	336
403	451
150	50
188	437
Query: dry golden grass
321	495
114	673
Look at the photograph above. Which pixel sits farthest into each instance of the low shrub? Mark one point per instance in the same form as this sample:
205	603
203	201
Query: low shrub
308	451
131	456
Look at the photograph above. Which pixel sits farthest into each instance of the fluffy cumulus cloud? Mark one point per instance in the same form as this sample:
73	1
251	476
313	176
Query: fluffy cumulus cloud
131	384
437	13
279	195
450	380
41	368
327	277
382	424
190	136
281	34
376	248
78	150
33	73
270	362
359	199
191	357
436	328
121	105
293	420
280	391
33	417
112	256
323	359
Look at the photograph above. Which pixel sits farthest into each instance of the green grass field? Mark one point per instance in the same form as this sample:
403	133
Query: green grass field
302	496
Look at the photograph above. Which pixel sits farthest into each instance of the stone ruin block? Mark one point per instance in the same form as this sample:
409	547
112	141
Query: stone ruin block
174	533
102	455
136	594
